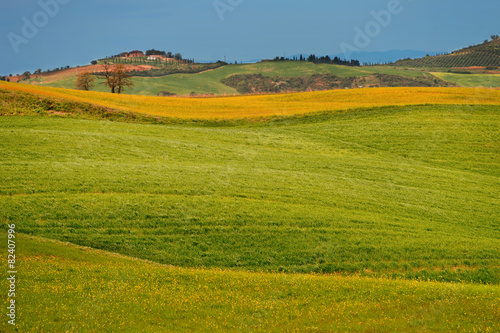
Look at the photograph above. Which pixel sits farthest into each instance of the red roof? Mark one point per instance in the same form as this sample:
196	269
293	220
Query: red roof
136	52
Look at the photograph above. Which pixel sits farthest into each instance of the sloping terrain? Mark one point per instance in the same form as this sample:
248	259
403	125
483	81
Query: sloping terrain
84	290
402	191
238	107
357	210
484	55
69	75
210	82
257	83
471	80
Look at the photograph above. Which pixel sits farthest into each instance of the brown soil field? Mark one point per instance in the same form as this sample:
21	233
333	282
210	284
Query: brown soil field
62	74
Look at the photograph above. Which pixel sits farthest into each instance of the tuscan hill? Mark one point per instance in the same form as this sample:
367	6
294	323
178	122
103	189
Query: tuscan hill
155	77
221	80
483	55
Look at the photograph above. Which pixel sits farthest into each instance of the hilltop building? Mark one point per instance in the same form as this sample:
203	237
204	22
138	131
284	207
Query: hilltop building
134	54
155	57
152	57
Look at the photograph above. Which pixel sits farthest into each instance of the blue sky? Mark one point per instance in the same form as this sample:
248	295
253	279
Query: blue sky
79	31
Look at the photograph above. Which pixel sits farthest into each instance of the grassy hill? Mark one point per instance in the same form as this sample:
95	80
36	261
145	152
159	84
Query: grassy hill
360	196
266	106
484	55
471	80
126	293
402	191
492	46
209	82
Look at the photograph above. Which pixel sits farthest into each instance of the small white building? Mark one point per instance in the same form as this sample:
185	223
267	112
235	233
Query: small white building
155	57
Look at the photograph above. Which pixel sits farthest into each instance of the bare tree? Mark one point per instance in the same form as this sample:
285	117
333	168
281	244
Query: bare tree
122	77
85	81
116	78
108	77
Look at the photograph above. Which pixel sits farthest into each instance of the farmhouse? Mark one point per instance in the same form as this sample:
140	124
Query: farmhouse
135	54
152	57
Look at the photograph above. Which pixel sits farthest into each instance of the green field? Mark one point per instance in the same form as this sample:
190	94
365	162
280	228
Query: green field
471	80
81	294
209	82
332	221
391	191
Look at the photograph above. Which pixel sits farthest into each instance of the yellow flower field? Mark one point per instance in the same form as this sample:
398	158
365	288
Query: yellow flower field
79	293
236	107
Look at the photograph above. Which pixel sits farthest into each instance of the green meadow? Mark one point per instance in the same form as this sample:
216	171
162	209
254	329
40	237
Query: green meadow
383	219
471	80
209	82
407	191
65	288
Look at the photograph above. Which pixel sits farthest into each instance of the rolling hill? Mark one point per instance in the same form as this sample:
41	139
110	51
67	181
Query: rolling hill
345	210
152	78
394	191
241	107
210	82
483	55
126	293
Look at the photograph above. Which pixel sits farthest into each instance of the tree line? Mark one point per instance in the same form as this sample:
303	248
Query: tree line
321	60
176	56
